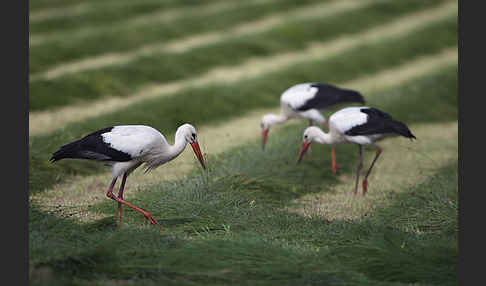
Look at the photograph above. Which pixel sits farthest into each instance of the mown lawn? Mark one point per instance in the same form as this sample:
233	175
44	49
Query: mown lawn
230	224
253	217
91	13
47	55
220	101
123	80
232	229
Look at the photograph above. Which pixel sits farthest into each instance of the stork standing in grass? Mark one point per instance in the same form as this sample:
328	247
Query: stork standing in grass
360	125
125	148
303	101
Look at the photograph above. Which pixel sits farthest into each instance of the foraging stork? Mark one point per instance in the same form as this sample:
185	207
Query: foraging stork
125	148
359	125
304	101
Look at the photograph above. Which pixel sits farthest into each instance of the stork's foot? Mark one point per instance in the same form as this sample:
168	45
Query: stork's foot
149	218
145	213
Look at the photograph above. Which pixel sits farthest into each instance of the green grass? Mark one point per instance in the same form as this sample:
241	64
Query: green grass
83	22
417	238
46	55
229	227
98	12
126	79
240	221
221	228
221	101
35	5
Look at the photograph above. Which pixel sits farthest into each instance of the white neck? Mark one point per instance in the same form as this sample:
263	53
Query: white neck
167	152
180	143
274	119
325	138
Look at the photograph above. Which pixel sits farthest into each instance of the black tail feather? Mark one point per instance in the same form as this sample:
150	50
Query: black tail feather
91	147
328	95
352	96
402	129
70	150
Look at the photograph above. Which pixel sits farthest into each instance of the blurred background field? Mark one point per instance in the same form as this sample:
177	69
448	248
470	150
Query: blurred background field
253	218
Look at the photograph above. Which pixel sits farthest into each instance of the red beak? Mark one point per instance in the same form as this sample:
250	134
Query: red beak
197	151
264	138
304	148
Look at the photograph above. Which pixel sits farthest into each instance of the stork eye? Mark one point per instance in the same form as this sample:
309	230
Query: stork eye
305	137
194	135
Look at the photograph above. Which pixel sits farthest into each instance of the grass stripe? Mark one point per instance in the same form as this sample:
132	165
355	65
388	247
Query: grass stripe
216	218
46	5
56	11
166	67
187	43
188	207
41	122
148	40
157	17
334	203
220	101
218	138
258	239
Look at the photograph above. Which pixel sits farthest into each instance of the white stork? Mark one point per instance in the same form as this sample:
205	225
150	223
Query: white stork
303	101
125	148
359	125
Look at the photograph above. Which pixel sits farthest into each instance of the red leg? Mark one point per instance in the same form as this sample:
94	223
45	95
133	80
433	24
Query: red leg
110	188
333	158
365	181
360	165
120	196
110	194
309	150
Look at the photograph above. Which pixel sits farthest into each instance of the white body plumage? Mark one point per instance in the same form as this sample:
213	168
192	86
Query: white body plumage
126	147
304	100
360	125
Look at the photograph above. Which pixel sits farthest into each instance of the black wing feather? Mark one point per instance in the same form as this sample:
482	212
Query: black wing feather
92	147
379	122
328	95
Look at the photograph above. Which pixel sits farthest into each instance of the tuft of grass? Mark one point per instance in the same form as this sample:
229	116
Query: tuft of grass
416	237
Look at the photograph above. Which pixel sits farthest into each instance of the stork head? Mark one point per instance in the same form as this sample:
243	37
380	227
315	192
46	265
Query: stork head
189	133
267	121
311	133
265	126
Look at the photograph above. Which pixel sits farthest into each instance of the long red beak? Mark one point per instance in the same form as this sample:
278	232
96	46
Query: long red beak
304	148
197	151
264	138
